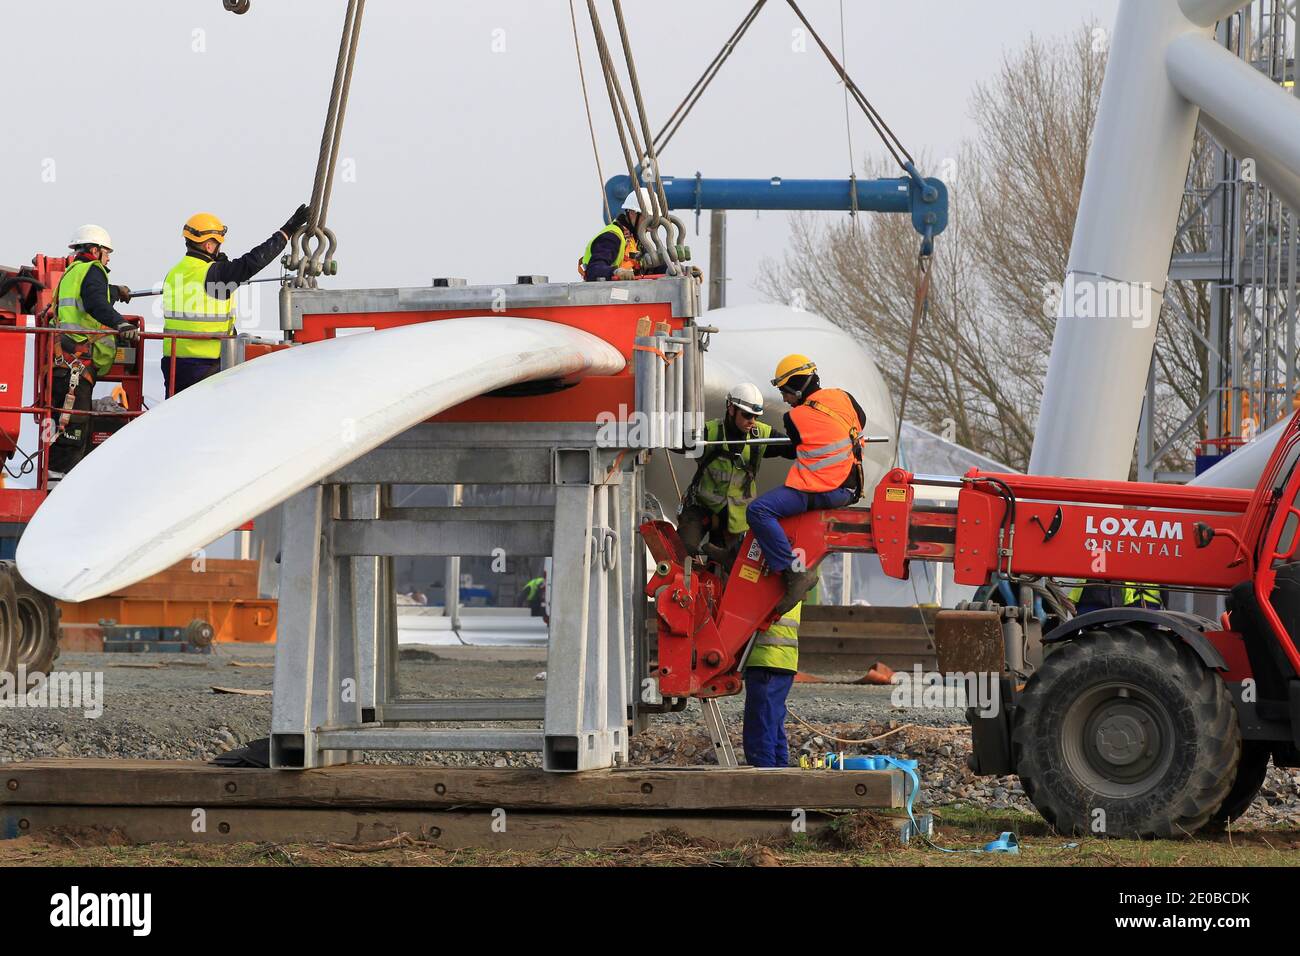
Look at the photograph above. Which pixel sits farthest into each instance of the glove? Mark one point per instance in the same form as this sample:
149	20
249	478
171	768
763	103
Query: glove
296	221
123	293
697	274
128	332
624	274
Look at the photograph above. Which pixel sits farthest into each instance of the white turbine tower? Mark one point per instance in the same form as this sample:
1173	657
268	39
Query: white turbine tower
1164	73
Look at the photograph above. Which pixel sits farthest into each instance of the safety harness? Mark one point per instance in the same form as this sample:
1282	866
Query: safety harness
855	436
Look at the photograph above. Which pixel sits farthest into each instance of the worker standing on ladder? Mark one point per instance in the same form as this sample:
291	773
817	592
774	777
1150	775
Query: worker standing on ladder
84	299
613	252
199	294
824	426
712	517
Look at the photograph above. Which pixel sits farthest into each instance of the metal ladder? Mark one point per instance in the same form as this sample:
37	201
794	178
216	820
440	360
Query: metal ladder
718	732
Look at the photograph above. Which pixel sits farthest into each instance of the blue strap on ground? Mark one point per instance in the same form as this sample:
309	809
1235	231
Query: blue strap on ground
1006	843
834	761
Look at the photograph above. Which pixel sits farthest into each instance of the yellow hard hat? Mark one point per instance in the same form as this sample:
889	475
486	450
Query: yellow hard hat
203	226
793	365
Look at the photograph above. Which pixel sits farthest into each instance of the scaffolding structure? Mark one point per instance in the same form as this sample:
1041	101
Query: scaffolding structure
1232	280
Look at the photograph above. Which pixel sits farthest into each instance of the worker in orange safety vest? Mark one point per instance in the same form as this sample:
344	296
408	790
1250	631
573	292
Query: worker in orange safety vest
824	426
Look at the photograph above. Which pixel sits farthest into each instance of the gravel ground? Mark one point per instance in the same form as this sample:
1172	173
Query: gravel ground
168	711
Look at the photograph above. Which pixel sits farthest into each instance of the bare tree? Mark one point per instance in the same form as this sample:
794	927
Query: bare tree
982	352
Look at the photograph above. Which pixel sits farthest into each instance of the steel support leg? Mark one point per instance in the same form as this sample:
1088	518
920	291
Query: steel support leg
581	694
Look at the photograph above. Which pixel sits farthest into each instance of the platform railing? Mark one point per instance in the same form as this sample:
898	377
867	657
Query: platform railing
43	408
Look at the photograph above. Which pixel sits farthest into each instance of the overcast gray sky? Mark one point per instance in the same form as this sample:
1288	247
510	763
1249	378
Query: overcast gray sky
468	160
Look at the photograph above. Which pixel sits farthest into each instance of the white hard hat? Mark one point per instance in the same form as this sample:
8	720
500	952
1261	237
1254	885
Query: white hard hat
645	204
91	235
746	396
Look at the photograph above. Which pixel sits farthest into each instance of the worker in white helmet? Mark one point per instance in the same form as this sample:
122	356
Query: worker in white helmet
613	252
84	300
724	485
712	517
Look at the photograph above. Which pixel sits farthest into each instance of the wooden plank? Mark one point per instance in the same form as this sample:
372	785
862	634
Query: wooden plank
192	784
861	621
878	646
858	631
499	830
861	613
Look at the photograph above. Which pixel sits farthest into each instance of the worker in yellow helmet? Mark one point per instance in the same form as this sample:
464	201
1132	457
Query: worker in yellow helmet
824	426
199	293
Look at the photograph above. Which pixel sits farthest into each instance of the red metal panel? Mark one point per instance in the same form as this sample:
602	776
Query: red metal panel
1095	542
11	388
1146	494
1233	648
594	395
19	504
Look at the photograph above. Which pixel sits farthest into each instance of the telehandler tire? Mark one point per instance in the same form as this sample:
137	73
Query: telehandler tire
1124	732
1251	771
36	625
10	631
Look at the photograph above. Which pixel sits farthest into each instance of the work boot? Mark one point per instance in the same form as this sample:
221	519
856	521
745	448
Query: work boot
797	584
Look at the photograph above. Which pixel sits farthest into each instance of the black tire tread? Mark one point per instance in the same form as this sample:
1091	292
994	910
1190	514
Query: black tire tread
1131	651
1251	771
40	656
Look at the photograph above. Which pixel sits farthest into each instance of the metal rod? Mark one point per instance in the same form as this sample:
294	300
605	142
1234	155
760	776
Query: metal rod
142	293
865	440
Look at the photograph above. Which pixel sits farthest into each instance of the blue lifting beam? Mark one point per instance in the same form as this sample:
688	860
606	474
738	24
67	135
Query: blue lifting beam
926	200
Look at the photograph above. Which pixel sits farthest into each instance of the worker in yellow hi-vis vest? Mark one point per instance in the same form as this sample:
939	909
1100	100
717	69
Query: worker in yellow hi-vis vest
712	520
199	294
613	252
1095	597
84	300
769	674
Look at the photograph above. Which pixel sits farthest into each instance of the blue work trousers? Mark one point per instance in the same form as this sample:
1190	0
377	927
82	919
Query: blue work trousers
763	733
189	371
766	511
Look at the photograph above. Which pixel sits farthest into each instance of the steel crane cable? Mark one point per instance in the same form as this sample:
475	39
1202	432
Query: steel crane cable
645	238
675	230
618	104
693	96
887	135
921	301
848	133
591	126
314	243
920	308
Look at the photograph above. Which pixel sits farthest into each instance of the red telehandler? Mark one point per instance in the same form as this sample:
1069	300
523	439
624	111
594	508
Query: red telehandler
1125	722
